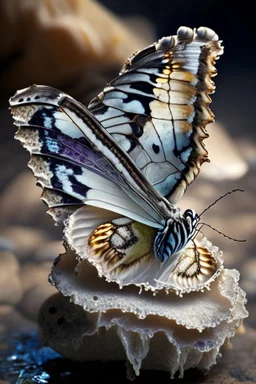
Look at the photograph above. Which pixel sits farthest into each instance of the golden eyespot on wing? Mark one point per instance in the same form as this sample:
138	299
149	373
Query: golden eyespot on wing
194	267
120	245
99	242
123	251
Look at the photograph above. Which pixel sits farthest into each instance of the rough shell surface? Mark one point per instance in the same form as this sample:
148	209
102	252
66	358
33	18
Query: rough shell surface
136	325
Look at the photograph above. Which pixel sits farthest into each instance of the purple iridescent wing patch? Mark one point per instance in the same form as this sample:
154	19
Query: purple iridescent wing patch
67	159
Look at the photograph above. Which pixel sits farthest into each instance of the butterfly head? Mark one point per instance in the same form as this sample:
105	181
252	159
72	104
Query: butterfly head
192	219
175	234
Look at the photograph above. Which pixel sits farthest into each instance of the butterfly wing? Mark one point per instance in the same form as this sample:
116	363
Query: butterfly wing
95	166
76	161
122	250
157	108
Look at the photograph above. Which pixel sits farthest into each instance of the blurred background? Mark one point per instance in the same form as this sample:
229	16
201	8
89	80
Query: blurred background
79	46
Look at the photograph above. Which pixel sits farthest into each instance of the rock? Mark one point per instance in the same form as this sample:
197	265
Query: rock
11	320
32	274
33	299
238	364
77	44
10	285
226	160
34	278
248	148
25	240
49	251
20	204
248	276
248	270
20	199
5	244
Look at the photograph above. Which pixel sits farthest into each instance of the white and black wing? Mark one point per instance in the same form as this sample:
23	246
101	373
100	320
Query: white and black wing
105	171
76	161
157	108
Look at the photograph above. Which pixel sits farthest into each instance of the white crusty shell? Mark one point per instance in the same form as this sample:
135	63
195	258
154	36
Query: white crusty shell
135	325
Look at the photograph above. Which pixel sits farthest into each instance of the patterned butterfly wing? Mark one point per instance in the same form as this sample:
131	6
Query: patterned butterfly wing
77	162
122	250
98	171
157	108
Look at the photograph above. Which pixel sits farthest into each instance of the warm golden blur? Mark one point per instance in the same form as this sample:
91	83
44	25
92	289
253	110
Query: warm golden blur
62	42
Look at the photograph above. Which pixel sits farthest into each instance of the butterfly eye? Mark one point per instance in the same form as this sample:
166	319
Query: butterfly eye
191	217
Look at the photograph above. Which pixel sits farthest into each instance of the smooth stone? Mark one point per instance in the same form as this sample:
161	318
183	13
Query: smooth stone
77	44
33	274
248	276
248	270
6	245
33	299
236	365
20	204
248	148
25	240
20	200
11	320
49	251
11	288
227	162
34	278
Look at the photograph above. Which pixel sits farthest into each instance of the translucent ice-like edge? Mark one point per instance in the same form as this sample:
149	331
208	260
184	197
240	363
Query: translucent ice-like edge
164	331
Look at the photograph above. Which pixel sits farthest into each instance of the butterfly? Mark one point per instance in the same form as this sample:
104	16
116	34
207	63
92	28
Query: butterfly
113	172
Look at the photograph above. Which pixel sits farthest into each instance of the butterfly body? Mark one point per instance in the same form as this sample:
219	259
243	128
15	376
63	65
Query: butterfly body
175	234
131	154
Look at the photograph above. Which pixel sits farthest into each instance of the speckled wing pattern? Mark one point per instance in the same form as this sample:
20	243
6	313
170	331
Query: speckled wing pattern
157	108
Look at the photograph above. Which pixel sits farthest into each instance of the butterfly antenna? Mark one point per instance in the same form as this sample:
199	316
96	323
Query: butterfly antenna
216	201
221	233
